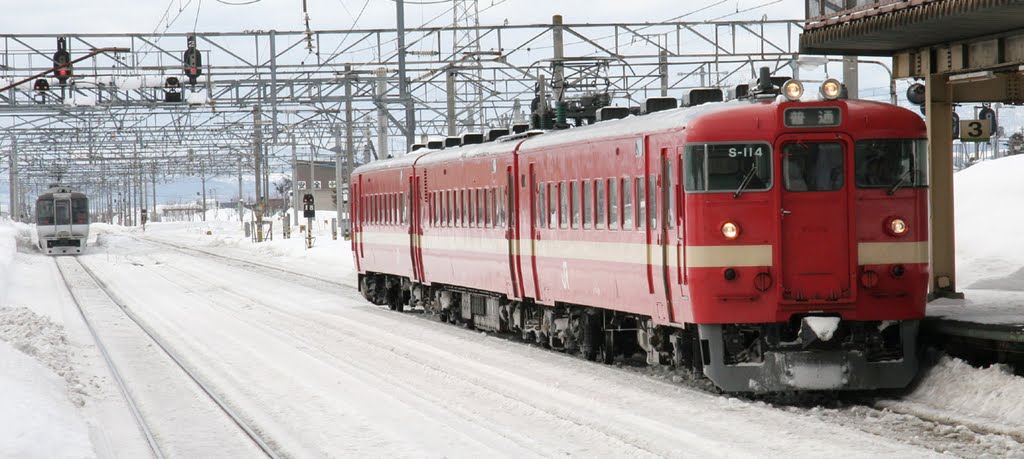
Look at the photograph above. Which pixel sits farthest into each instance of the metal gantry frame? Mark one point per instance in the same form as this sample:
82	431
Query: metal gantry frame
113	121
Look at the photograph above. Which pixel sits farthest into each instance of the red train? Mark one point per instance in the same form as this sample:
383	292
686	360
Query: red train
773	244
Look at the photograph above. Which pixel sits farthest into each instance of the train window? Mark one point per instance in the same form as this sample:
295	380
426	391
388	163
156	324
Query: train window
652	194
600	214
563	205
493	216
886	163
80	211
588	203
812	166
481	207
504	206
574	204
671	202
613	204
728	167
44	212
448	208
470	209
641	203
405	209
627	204
552	205
542	204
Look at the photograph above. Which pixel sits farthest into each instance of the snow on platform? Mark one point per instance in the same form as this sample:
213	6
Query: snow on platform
989	246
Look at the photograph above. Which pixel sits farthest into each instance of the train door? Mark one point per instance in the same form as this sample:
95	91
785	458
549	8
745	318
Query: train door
815	225
510	233
658	179
62	215
535	207
415	231
359	215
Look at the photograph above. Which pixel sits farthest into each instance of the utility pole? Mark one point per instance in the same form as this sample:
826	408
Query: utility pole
382	114
241	208
257	147
13	169
558	73
295	181
851	76
403	83
450	89
339	172
663	69
342	182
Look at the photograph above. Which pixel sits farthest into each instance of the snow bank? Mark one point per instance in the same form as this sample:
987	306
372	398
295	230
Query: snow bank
37	419
989	249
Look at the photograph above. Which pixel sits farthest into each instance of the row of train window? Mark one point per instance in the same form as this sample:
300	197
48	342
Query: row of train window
385	209
604	203
469	208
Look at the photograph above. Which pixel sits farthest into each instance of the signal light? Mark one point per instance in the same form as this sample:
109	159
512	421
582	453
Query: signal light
915	94
62	69
193	61
41	85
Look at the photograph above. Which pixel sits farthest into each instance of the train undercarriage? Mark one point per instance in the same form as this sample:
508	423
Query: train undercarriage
810	352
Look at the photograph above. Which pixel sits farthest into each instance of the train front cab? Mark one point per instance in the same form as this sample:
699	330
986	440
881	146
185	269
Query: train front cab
814	276
62	222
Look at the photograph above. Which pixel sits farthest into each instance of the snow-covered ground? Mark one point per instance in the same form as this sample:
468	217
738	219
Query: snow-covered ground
323	373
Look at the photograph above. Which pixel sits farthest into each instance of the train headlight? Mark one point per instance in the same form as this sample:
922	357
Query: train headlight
730	230
897	226
831	89
793	90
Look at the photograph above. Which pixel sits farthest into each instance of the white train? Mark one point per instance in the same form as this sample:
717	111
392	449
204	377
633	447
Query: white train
62	220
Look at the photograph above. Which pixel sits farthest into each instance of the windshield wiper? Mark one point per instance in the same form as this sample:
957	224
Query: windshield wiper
900	182
745	182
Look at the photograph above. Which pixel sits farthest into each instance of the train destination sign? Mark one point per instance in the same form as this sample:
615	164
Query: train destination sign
812	117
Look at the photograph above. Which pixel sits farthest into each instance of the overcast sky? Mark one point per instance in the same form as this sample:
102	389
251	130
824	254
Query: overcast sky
122	16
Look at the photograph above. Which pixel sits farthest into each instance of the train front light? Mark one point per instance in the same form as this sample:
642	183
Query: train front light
831	89
730	230
897	226
793	90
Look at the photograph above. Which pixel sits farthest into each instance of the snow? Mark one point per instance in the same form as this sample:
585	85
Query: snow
823	327
324	373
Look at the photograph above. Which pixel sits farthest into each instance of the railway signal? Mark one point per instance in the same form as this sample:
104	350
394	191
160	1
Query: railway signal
62	68
193	61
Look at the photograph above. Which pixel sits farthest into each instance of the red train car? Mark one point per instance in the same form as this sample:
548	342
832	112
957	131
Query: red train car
773	244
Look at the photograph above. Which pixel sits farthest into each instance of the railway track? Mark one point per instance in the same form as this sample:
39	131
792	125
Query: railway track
941	431
91	295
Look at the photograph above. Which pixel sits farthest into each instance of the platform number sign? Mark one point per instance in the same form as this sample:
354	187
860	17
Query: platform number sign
975	130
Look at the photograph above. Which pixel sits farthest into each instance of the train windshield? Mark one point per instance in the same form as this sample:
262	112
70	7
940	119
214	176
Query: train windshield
891	163
80	211
44	212
725	167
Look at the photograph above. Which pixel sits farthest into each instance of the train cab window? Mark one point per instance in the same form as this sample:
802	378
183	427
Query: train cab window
728	167
641	203
613	204
44	212
542	204
588	203
893	163
601	203
80	211
574	204
812	166
627	204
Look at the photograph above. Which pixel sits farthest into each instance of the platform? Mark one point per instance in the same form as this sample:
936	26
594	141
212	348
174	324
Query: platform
984	328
